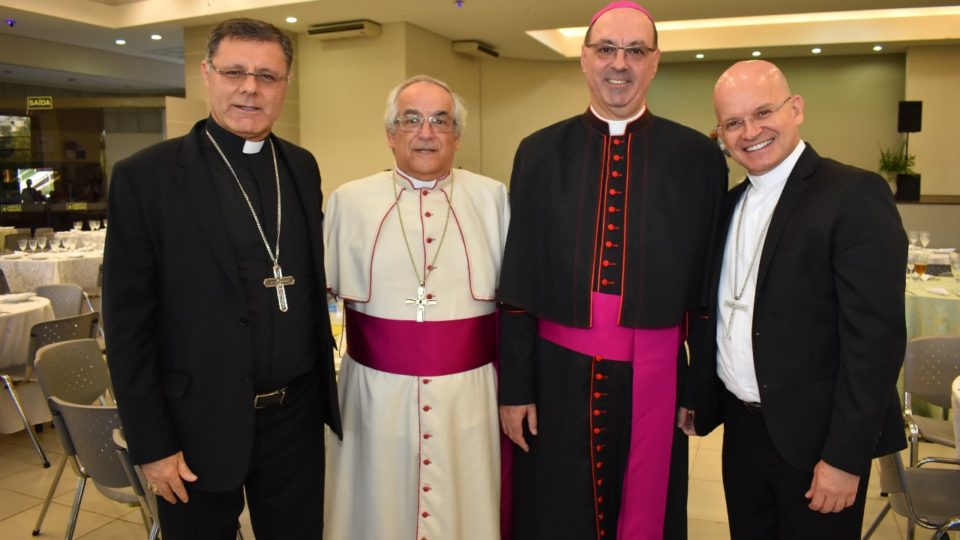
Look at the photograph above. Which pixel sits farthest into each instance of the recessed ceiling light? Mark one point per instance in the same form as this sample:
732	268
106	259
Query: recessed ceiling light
156	37
816	50
878	48
755	54
699	56
291	20
121	42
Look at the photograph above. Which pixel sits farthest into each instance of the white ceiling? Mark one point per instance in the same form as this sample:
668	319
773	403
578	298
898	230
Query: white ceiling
95	24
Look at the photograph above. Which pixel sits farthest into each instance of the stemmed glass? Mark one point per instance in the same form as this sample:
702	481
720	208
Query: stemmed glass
94	224
913	236
911	263
32	244
42	243
924	239
77	225
22	242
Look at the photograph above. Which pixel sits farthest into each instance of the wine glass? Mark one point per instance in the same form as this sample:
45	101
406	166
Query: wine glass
77	225
924	239
22	243
32	244
94	224
913	236
104	223
70	243
42	243
911	263
955	270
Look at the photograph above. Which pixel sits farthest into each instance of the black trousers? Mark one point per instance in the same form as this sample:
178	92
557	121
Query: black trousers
283	486
765	494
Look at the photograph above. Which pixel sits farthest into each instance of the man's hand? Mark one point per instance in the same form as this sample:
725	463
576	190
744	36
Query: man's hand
511	420
165	477
685	421
832	489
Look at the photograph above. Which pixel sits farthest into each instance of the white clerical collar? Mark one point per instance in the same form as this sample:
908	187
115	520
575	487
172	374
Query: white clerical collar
253	147
420	184
619	127
779	174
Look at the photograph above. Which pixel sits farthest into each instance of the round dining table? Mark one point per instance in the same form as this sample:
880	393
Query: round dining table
932	307
25	272
18	314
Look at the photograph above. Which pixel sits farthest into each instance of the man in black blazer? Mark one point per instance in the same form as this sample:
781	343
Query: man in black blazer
218	336
799	351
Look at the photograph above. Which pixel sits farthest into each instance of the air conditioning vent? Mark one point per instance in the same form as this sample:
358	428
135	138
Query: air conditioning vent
344	30
477	49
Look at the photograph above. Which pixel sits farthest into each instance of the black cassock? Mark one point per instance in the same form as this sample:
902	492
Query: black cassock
630	215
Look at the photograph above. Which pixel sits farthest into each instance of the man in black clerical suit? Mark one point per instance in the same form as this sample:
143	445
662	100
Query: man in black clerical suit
218	336
800	356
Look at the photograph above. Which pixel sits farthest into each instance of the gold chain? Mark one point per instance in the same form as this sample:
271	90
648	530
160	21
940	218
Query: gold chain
443	235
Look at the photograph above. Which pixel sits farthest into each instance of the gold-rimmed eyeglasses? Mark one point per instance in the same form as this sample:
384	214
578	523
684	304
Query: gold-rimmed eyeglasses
761	115
266	78
413	122
608	51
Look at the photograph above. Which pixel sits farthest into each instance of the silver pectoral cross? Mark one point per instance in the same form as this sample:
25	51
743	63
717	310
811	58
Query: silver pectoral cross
421	301
278	281
734	308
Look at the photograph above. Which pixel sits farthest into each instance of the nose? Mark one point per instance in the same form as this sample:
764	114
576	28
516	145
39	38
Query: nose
751	127
426	129
620	59
249	85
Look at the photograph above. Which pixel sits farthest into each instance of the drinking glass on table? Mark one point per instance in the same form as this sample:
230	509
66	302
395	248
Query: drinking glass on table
911	263
94	224
42	243
77	225
104	223
924	239
32	244
920	263
913	236
22	243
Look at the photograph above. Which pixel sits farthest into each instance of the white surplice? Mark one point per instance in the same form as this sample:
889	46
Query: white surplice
403	472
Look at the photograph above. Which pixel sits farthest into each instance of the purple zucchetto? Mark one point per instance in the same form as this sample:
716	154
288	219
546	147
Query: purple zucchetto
618	5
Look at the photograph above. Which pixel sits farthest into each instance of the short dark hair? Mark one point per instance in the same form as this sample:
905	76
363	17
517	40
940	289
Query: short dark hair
252	30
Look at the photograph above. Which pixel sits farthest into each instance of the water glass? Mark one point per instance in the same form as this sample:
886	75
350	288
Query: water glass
913	236
920	263
104	223
77	225
924	239
32	244
42	243
22	242
94	224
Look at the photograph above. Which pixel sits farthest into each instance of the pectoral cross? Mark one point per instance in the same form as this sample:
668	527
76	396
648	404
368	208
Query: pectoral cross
734	308
278	281
421	301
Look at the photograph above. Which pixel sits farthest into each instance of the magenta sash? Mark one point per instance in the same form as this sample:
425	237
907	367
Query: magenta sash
427	349
653	353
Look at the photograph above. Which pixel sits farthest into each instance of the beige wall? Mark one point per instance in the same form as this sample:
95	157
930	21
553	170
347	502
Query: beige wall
933	76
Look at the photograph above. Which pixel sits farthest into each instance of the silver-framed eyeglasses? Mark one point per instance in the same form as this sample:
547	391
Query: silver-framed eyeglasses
266	78
440	123
608	51
761	115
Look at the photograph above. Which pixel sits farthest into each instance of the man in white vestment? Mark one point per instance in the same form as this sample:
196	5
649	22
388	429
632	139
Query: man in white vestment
414	253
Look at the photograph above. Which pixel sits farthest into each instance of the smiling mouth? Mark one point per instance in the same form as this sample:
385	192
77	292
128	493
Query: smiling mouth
425	150
759	145
618	81
247	108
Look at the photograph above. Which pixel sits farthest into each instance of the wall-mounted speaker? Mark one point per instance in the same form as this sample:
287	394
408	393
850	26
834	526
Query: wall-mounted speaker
908	116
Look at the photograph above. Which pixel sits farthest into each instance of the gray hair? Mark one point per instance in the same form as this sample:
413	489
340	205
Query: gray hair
391	114
249	30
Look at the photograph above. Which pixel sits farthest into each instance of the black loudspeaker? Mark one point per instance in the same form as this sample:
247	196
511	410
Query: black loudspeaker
908	187
908	116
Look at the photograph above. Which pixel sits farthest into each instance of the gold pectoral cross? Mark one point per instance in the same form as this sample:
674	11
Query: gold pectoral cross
279	281
734	308
421	301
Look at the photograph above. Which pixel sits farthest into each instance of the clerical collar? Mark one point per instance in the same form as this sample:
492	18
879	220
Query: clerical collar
232	142
619	127
420	184
779	174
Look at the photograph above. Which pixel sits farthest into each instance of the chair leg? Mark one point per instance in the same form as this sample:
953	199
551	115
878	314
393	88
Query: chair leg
911	529
50	492
8	383
942	531
75	510
154	531
876	522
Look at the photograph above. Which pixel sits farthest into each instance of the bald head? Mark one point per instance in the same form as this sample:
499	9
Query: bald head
757	117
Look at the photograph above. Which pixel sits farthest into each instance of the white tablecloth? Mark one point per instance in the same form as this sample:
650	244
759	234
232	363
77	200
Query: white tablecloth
932	308
27	272
955	400
92	239
16	320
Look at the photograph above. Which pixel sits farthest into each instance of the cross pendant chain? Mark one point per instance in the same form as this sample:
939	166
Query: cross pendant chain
734	308
421	301
279	281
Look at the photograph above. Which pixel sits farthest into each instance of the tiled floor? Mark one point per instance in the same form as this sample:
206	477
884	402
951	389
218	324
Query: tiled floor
23	484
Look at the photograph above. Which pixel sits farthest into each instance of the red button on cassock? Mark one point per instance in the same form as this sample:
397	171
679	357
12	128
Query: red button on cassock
429	296
426	381
608	244
616	141
599	376
425	192
605	263
596	431
612	192
426	489
428	214
596	395
611	227
427	435
615	174
427	462
604	282
429	239
426	408
617	158
611	209
425	514
596	412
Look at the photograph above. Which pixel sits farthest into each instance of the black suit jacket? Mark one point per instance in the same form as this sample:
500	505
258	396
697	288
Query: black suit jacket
828	319
178	340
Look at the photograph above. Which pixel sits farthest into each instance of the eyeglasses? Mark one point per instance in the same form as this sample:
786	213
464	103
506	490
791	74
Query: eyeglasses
608	51
762	114
266	78
413	122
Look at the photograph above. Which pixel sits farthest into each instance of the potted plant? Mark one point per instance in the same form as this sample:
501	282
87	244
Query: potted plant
898	163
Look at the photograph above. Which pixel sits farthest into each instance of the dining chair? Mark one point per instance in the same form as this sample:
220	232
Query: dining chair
43	231
929	498
74	371
41	334
929	367
148	501
86	433
11	242
66	299
4	286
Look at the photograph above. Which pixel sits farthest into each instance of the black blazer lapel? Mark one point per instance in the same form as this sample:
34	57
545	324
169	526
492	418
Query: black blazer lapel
794	188
202	202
